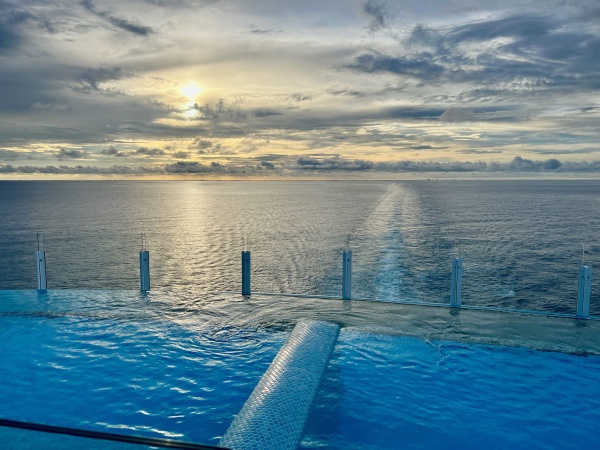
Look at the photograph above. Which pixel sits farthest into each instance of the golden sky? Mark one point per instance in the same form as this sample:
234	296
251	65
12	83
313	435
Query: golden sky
242	88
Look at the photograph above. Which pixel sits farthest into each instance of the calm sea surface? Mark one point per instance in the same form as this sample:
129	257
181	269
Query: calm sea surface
521	240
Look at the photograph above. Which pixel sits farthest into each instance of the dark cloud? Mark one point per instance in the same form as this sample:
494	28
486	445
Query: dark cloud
348	92
479	152
520	27
457	115
425	147
518	164
150	151
298	97
181	155
271	158
208	147
319	164
77	170
427	166
71	153
219	110
110	151
522	164
182	167
520	54
267	165
266	112
333	164
423	67
422	37
489	113
377	13
256	30
190	168
580	151
551	164
49	107
90	79
201	143
11	19
118	22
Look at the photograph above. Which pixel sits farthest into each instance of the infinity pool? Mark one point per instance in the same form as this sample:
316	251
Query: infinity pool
402	392
181	365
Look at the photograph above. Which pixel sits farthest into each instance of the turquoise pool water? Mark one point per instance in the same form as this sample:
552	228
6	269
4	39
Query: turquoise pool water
126	369
401	392
181	365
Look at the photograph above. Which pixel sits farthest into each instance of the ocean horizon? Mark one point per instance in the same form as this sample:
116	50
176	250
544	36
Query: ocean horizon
521	241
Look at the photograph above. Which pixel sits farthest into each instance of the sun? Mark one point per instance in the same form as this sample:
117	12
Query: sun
191	91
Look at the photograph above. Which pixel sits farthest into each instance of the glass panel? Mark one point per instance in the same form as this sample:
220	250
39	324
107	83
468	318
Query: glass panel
22	435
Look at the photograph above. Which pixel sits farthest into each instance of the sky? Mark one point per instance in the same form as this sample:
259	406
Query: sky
280	88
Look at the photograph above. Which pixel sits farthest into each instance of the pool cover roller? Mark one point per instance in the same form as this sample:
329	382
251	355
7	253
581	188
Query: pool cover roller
274	415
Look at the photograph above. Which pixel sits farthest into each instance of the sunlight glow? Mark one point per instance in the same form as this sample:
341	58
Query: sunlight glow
191	91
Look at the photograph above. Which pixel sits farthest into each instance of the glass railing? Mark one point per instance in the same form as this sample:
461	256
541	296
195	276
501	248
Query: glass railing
26	435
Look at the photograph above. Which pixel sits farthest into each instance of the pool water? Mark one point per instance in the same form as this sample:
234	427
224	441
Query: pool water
181	365
402	392
132	374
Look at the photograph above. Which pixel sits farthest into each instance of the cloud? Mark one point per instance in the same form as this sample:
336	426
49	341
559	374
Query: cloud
150	151
219	110
298	97
181	155
72	153
201	143
9	155
345	92
471	151
377	13
518	54
256	30
524	26
522	164
190	168
267	165
457	115
425	147
334	164
580	151
209	147
77	170
90	79
110	151
266	112
12	21
476	78
182	167
118	22
49	107
423	67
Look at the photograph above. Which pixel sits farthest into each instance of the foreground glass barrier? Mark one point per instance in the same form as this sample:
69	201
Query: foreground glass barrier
25	435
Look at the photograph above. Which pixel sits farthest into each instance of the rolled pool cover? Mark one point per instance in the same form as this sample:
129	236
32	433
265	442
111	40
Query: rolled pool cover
274	415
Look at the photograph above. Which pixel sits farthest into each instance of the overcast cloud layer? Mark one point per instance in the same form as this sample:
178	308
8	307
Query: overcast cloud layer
280	88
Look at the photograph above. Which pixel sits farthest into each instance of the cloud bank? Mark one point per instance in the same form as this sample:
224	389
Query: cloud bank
317	165
253	87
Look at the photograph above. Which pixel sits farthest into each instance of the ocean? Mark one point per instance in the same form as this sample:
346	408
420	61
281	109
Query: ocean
521	241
